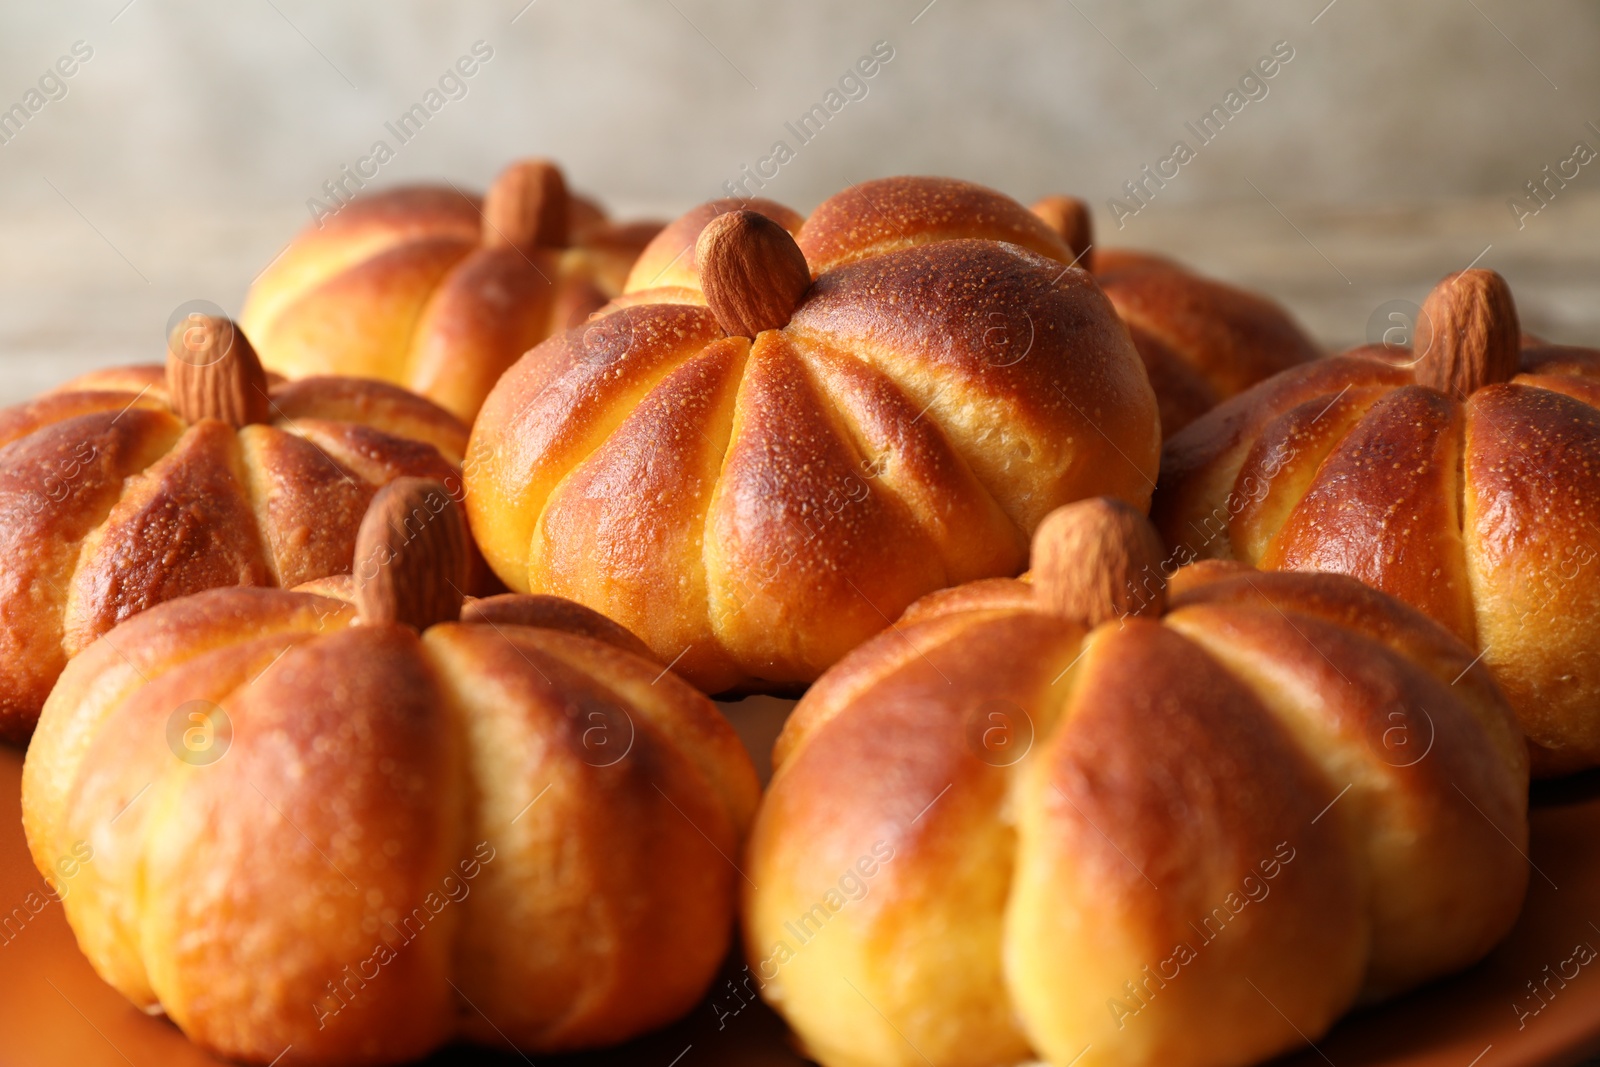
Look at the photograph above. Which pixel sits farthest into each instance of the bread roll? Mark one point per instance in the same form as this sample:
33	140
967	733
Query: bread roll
756	474
132	486
438	290
1098	822
1202	341
1460	477
346	833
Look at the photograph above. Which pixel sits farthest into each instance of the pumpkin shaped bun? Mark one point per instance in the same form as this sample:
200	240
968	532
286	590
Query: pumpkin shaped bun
785	432
345	829
1093	820
132	486
436	290
1202	341
1462	477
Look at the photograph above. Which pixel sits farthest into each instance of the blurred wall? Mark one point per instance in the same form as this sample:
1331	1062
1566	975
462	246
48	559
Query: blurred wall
190	142
661	101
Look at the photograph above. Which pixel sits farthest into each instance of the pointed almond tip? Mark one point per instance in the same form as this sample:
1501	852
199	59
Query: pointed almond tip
1098	560
411	556
213	372
1070	219
1467	334
751	271
527	207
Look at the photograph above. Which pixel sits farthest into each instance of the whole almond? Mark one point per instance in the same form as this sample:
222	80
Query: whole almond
1467	334
214	373
1097	560
526	207
1069	218
411	555
751	271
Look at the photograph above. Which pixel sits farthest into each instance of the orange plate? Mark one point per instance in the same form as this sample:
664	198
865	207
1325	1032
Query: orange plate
54	1010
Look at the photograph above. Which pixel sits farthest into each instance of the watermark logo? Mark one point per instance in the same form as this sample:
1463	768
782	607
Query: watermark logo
1252	86
999	732
1007	338
1544	187
199	333
50	87
853	85
452	85
605	732
852	885
1393	326
1402	740
199	732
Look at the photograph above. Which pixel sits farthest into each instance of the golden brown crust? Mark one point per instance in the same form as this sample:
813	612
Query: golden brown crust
892	801
58	407
548	412
1548	359
1281	770
1385	508
182	525
364	314
56	486
634	507
1529	518
772	574
1201	340
495	305
149	380
115	505
551	613
344	770
1478	514
1023	345
413	287
1281	465
758	508
881	216
531	819
153	642
1148	812
668	261
1182	392
365	227
1197	496
307	505
997	593
1229	337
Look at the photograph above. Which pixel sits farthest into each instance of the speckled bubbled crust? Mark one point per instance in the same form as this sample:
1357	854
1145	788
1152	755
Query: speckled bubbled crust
759	506
1157	772
1482	513
110	503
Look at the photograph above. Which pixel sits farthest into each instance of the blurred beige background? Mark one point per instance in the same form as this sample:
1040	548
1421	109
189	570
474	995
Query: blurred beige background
180	155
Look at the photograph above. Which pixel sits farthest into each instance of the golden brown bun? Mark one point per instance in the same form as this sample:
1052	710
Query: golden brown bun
417	287
1202	340
668	261
1479	512
113	503
753	508
492	832
1186	842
